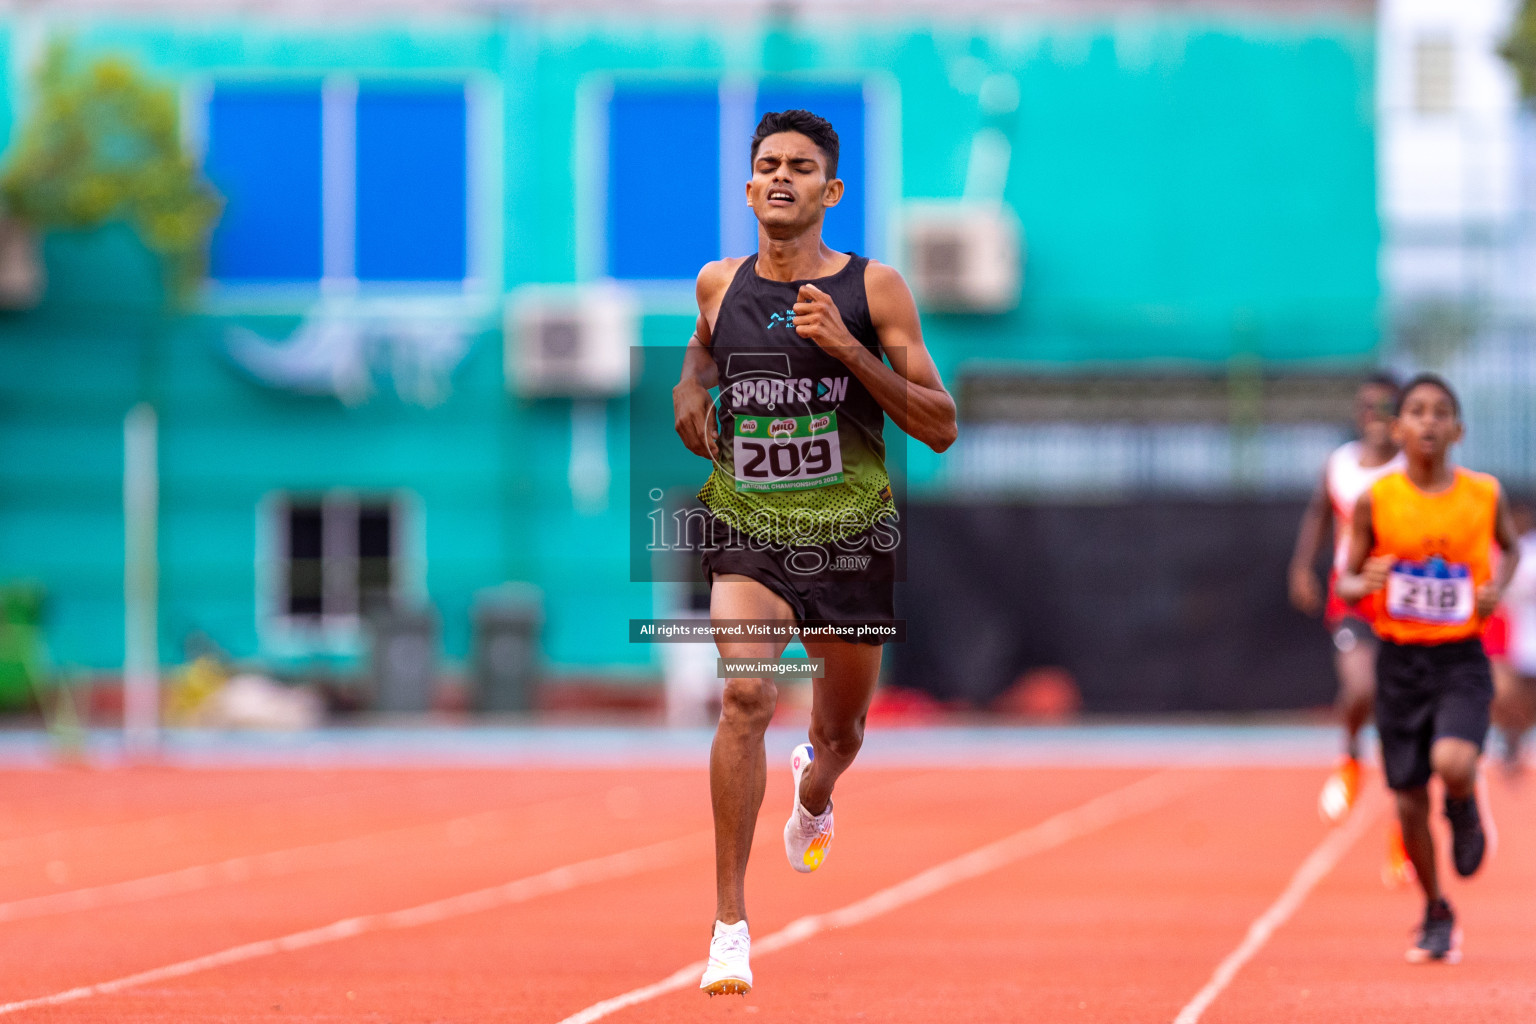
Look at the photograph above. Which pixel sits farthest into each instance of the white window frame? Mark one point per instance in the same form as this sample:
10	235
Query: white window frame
285	635
479	290
738	96
1434	54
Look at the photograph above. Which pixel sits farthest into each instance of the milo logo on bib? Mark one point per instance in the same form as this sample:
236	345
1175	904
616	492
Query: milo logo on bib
1434	591
787	453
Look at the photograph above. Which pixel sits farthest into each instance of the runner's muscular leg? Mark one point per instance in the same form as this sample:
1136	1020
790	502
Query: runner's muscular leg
1413	814
839	704
1357	688
738	766
1455	761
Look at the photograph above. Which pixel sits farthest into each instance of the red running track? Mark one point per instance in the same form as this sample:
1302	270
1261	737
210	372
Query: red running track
1087	915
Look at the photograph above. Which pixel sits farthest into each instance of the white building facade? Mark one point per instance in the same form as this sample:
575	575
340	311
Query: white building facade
1457	169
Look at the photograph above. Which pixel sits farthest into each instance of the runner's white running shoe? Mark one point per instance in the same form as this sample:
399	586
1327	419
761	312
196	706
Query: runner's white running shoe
728	973
1340	791
806	836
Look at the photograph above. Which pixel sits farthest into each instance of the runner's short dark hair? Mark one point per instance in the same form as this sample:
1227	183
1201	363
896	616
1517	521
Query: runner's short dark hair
1383	379
818	129
1433	380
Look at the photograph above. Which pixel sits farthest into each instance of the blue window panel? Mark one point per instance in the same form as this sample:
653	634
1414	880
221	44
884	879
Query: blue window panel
663	181
843	105
412	173
264	156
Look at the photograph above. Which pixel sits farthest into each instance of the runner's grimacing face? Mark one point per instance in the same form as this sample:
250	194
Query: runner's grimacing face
1428	425
1373	415
789	189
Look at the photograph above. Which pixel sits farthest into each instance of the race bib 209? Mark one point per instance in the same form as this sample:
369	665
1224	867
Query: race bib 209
787	453
1434	591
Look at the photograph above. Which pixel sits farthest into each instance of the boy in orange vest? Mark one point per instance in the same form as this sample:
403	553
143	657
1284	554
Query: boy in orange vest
1420	558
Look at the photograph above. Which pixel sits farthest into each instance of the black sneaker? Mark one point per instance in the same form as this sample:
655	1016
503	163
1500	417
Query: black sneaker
1468	841
1439	939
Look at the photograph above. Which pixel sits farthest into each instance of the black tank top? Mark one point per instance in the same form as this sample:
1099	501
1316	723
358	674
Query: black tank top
802	448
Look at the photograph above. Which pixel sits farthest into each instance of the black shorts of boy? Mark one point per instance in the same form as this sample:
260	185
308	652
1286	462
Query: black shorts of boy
847	584
1426	692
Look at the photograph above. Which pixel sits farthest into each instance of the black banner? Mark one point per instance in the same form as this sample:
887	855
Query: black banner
1153	606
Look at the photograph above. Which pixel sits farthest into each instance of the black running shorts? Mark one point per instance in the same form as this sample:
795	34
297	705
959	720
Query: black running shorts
1425	692
849	583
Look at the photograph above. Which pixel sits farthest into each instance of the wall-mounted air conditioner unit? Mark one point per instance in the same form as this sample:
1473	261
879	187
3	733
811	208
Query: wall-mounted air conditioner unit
21	269
961	256
571	340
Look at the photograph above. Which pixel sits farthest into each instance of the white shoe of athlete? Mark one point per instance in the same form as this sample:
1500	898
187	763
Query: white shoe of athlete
728	972
806	836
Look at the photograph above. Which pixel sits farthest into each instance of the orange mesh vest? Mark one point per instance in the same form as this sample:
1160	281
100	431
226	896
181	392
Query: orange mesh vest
1444	548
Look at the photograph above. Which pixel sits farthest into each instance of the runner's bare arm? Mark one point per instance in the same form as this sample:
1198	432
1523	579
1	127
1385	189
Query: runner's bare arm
1306	595
912	393
1363	574
1504	534
693	413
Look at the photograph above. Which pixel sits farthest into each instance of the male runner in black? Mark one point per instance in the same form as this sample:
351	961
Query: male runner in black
794	337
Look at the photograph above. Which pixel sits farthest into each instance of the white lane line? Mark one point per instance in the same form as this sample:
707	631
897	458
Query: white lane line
1313	870
1100	812
561	879
457	832
460	832
160	828
275	863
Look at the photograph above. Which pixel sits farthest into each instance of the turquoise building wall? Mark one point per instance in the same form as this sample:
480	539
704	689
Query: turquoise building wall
1191	188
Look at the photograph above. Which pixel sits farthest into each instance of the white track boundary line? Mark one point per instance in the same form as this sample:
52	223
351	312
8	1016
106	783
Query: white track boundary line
1322	860
561	879
1100	812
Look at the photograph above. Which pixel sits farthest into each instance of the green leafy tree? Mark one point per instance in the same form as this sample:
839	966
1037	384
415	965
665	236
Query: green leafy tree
1519	48
101	144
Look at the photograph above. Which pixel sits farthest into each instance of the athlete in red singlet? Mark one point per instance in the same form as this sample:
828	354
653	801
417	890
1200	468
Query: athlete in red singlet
1349	473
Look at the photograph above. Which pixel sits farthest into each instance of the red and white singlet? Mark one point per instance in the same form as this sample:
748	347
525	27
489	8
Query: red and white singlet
1346	480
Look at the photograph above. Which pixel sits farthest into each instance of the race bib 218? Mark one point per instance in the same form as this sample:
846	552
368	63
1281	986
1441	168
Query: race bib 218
1433	591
